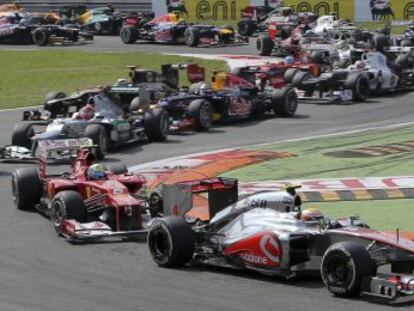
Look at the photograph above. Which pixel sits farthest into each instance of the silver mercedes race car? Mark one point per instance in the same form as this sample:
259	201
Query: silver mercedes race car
270	234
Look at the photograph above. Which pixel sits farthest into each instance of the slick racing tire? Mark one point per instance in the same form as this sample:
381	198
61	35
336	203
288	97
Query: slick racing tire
40	36
192	37
289	74
135	104
128	34
157	124
156	204
22	134
26	188
171	242
247	27
285	32
53	108
264	45
344	266
67	204
299	78
201	111
116	168
100	138
380	42
359	85
405	61
284	102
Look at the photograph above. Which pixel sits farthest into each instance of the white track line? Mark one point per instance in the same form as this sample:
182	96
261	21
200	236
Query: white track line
161	162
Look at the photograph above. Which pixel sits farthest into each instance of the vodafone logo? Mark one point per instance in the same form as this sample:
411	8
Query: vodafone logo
270	248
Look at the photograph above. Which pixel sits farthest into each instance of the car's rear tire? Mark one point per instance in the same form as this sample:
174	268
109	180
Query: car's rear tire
157	124
380	42
247	27
26	188
405	61
284	102
116	168
135	104
289	74
171	242
192	37
359	85
100	138
156	204
40	36
22	134
344	266
201	111
128	34
299	78
264	45
67	204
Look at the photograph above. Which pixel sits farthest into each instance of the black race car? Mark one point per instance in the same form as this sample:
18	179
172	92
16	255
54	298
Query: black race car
40	29
229	97
170	28
157	84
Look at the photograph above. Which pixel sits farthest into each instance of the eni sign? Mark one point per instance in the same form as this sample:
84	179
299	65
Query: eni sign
213	11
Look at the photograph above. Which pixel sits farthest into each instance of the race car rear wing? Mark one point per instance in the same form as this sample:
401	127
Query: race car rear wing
60	149
170	74
219	191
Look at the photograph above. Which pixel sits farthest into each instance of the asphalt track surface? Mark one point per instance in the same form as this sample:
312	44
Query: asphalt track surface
40	271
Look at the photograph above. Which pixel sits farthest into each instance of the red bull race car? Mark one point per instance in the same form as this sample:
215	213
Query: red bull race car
171	28
265	233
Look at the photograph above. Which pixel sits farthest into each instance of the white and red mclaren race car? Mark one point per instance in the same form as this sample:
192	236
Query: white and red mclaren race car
264	233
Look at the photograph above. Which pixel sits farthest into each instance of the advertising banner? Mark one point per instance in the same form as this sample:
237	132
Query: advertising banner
374	10
222	11
205	11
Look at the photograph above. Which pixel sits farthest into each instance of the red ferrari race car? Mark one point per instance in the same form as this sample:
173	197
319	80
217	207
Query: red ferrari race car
90	202
280	74
262	233
171	28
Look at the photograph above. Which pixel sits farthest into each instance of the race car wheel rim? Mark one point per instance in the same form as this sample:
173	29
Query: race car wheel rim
58	214
159	244
15	192
189	38
103	143
165	125
291	104
363	89
206	115
338	271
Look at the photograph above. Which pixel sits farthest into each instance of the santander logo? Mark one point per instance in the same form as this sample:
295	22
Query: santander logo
261	249
270	248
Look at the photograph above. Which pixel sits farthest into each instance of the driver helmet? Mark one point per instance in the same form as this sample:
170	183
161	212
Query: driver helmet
205	89
360	64
96	172
86	112
312	217
289	60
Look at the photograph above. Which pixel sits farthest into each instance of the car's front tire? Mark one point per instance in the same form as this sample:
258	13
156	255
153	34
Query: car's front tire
171	242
